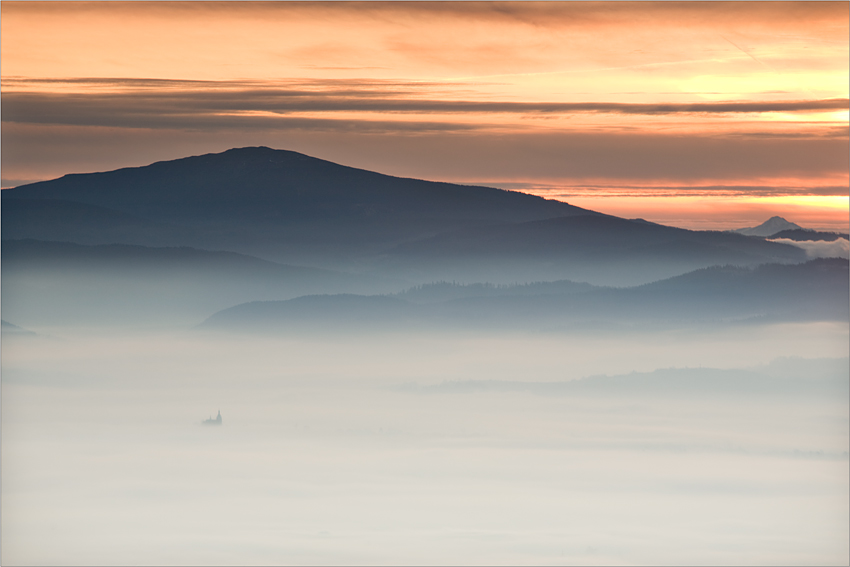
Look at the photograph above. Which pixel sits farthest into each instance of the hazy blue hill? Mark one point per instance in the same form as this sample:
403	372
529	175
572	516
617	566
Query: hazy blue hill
817	290
823	273
10	329
57	219
446	291
127	256
755	383
57	283
801	235
596	237
341	312
598	249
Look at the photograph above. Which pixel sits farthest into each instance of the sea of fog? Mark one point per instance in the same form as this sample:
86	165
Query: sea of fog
359	450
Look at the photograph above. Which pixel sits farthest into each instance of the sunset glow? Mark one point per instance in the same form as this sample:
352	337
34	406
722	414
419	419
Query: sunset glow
516	95
425	283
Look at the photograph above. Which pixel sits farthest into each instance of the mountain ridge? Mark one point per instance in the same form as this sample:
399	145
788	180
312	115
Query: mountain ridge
48	283
218	179
291	208
275	204
816	290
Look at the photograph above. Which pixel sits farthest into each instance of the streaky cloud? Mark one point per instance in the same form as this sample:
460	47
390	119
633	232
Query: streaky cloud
185	107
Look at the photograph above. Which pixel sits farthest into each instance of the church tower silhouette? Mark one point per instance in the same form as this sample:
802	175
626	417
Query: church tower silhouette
211	421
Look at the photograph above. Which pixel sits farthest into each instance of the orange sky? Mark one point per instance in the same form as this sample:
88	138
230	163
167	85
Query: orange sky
709	115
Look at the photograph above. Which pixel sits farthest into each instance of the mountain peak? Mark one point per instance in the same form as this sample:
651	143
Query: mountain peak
259	199
769	227
283	186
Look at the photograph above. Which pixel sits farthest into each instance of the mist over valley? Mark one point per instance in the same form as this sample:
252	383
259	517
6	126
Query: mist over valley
409	372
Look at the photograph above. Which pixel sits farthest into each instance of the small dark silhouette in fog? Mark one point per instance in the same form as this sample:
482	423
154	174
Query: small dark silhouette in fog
211	421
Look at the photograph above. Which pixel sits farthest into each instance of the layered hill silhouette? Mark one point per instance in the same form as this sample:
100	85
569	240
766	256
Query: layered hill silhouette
291	208
783	377
444	291
816	290
59	220
50	283
597	248
9	329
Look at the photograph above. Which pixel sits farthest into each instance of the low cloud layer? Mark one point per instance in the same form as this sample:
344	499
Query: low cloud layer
328	455
839	248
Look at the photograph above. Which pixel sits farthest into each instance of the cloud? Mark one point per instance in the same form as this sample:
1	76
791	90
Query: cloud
210	104
839	248
671	190
319	445
444	152
794	15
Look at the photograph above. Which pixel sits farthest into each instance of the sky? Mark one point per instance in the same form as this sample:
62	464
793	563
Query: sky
701	115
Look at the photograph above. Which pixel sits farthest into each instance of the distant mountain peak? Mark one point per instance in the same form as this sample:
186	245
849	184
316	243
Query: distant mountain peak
769	227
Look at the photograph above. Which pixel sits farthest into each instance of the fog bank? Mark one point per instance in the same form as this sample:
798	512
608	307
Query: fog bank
351	450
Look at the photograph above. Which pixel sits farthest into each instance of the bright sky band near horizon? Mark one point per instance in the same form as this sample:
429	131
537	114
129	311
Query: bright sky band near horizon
702	115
